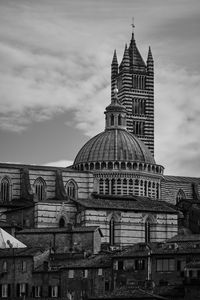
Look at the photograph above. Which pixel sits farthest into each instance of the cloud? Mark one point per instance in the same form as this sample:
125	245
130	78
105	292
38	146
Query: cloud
177	120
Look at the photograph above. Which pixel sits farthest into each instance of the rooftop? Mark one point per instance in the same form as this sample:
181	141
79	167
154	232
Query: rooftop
132	203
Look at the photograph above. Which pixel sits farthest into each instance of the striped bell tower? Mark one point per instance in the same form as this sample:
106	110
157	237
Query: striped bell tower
135	82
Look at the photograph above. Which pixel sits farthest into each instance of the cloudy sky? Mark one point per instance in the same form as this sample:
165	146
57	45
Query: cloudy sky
55	75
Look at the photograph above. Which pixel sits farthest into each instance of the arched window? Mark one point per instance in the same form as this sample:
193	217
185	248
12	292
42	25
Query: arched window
40	188
100	186
62	222
119	120
112	120
5	190
148	225
112	231
71	189
180	196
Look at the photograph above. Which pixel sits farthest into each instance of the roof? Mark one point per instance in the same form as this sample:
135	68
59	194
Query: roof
94	261
8	241
181	179
38	167
125	292
21	252
135	56
48	230
185	238
114	144
193	265
132	203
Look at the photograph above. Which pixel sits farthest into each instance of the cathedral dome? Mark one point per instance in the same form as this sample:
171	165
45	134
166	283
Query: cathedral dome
114	145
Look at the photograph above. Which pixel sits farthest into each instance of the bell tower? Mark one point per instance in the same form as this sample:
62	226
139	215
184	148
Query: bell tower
135	82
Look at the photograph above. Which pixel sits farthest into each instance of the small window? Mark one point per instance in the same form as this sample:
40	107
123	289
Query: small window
5	266
190	273
165	265
54	291
100	272
139	264
107	286
23	266
37	291
85	273
71	274
22	289
120	265
5	290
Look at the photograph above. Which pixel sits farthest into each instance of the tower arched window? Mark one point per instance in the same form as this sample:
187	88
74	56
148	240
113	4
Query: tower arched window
119	120
112	231
180	196
40	186
71	189
5	190
112	120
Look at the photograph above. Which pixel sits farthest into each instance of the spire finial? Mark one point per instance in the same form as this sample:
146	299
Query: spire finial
133	25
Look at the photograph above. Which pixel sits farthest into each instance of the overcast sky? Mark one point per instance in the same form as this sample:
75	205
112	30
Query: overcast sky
55	58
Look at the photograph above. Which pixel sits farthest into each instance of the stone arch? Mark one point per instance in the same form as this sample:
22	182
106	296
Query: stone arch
110	165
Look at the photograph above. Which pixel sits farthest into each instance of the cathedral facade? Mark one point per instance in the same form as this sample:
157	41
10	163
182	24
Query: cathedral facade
114	182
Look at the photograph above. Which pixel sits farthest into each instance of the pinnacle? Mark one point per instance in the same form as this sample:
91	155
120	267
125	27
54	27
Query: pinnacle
114	60
150	56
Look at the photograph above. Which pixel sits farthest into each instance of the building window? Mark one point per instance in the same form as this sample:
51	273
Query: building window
37	291
40	188
165	265
54	291
100	272
112	119
138	127
147	231
112	231
138	107
85	273
180	196
23	266
120	265
5	290
62	222
71	189
139	264
5	266
5	190
22	289
71	274
181	265
119	120
107	285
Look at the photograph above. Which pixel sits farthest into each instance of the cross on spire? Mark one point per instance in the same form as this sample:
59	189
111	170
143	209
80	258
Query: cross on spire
132	24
